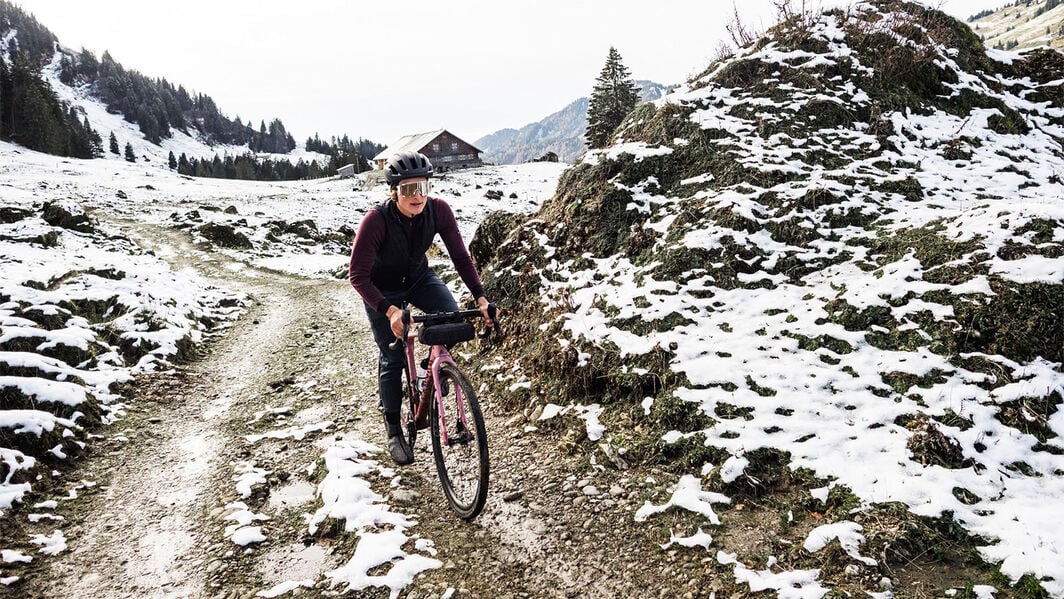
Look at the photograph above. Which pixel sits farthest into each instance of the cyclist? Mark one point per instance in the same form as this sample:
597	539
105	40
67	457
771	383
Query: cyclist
389	267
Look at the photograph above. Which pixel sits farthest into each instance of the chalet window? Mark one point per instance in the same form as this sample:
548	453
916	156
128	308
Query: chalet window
435	148
454	146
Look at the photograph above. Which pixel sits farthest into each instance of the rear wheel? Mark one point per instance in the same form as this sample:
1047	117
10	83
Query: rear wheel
461	460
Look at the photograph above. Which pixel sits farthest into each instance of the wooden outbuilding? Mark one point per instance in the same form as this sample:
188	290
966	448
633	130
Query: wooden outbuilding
445	149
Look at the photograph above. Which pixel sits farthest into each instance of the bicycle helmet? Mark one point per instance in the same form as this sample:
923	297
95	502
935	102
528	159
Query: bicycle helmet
407	165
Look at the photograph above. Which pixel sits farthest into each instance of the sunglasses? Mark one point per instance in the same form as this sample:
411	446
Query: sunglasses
414	188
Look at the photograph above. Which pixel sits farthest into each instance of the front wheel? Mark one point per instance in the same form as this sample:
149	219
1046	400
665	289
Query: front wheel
461	458
406	412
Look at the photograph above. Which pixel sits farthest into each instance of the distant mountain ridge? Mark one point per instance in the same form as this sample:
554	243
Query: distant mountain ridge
561	132
1022	25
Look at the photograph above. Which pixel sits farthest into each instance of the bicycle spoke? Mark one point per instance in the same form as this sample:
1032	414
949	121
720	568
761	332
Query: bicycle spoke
461	461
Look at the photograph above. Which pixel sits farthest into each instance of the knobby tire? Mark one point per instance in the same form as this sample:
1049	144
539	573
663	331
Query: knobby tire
462	466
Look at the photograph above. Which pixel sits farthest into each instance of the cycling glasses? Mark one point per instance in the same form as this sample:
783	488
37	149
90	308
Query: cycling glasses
414	188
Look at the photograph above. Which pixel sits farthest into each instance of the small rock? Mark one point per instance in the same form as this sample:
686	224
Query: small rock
405	496
614	455
536	413
513	496
852	570
590	490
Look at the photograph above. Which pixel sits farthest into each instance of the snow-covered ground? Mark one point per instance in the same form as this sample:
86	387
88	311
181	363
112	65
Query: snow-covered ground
55	278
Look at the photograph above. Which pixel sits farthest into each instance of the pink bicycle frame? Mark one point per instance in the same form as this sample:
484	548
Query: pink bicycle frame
438	356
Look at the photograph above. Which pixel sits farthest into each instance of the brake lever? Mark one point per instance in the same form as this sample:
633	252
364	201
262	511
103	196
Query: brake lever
398	343
493	314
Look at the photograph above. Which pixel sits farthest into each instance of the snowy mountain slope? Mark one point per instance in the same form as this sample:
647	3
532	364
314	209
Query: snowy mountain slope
105	123
195	118
1022	25
844	246
125	132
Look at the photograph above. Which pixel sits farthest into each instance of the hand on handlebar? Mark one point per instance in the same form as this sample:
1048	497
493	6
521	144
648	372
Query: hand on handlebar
482	305
491	320
397	318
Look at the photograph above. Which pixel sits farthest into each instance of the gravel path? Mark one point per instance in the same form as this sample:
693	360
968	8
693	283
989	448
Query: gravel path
154	523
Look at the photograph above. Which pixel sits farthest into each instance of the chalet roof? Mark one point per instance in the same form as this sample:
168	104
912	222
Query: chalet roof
413	143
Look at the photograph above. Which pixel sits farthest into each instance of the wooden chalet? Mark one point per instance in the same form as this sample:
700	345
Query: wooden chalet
443	148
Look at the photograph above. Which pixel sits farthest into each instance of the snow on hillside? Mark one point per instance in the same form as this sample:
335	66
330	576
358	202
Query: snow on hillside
105	123
335	205
874	292
1020	25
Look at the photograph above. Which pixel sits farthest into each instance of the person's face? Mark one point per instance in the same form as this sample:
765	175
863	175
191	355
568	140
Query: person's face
412	194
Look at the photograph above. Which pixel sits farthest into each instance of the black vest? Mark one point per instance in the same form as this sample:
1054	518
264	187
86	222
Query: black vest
401	259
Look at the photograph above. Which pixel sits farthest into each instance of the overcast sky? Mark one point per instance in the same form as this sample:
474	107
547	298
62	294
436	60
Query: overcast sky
380	70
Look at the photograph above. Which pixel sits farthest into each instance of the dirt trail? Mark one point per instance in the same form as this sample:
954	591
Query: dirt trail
153	526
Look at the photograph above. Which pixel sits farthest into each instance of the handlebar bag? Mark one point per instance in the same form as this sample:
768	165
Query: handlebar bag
447	333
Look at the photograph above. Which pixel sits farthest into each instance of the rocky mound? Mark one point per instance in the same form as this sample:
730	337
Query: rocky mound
843	245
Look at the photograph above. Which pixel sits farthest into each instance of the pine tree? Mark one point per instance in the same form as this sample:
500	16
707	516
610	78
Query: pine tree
113	143
130	156
95	141
171	161
37	121
612	98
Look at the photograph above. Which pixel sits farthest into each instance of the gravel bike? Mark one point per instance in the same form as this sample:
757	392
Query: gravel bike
454	419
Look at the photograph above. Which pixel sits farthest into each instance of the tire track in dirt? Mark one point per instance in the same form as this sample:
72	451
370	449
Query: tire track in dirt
144	531
554	525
